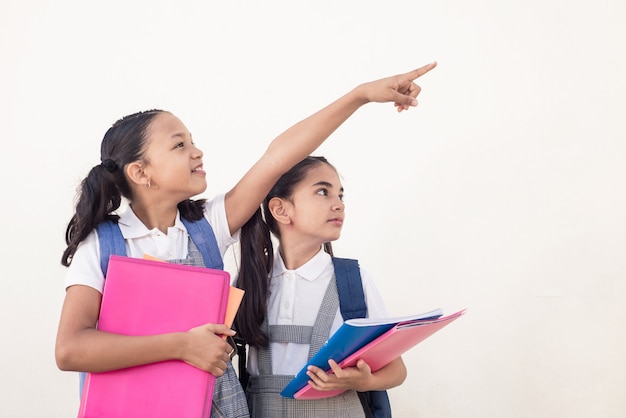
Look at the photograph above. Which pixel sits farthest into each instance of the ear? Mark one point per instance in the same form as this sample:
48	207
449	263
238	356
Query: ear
136	174
279	209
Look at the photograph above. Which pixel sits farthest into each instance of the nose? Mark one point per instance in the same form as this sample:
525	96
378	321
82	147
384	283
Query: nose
339	206
197	152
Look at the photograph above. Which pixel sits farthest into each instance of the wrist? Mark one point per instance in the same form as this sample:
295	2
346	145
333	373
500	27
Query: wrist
360	95
179	345
365	385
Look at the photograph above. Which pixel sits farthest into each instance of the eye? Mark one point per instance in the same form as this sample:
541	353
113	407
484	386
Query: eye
179	145
341	197
322	192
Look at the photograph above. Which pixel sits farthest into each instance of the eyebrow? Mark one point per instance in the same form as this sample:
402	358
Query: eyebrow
182	135
326	184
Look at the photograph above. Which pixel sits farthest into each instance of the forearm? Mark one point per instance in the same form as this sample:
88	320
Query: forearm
80	346
304	137
97	351
307	135
390	376
286	150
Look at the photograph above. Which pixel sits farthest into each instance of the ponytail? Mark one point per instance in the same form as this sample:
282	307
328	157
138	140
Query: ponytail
98	197
257	258
192	210
100	193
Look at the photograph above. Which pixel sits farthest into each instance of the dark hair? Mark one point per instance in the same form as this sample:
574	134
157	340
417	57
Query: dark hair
100	193
257	256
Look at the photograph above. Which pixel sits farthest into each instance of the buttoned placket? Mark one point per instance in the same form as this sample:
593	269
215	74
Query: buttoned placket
288	296
162	244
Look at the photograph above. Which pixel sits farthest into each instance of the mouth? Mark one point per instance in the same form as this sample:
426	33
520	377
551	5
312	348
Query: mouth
198	170
336	221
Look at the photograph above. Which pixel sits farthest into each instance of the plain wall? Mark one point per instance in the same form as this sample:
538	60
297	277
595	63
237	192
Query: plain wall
503	192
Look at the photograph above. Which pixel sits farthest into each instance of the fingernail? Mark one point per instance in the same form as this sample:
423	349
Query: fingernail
414	103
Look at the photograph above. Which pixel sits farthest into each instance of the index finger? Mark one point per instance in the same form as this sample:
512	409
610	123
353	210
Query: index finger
422	70
335	368
220	329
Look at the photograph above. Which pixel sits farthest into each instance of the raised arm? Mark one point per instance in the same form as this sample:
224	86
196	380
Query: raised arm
305	136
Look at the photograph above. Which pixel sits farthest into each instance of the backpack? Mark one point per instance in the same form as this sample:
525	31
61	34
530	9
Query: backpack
112	241
352	305
201	233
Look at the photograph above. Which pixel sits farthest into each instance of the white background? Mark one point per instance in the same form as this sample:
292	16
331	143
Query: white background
504	192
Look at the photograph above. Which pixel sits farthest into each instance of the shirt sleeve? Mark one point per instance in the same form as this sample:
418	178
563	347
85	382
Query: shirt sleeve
85	267
215	213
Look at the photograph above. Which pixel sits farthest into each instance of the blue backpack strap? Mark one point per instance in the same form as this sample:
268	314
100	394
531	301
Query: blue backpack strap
202	235
111	242
378	403
352	305
350	288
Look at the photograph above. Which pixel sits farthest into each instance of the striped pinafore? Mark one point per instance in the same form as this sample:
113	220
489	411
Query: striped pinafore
263	392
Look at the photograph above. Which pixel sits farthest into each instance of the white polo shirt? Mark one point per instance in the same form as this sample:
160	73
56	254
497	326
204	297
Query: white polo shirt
295	299
85	268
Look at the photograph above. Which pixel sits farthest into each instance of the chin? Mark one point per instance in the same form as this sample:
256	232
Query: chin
334	238
200	190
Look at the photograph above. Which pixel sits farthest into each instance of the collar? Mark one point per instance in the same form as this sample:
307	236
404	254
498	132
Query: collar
310	270
132	227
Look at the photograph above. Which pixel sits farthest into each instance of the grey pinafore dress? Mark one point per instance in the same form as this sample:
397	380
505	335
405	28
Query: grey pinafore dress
263	392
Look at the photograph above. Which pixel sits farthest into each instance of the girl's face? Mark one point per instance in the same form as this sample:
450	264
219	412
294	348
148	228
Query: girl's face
316	206
174	164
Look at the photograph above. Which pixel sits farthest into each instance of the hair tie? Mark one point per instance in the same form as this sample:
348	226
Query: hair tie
109	165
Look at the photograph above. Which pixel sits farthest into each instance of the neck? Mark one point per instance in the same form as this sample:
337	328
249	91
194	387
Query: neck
295	256
154	216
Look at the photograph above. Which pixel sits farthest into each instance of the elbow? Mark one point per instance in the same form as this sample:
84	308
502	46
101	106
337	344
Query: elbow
62	358
63	355
399	373
402	376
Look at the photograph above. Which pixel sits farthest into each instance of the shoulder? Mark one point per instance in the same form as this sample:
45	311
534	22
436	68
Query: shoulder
215	214
214	206
85	268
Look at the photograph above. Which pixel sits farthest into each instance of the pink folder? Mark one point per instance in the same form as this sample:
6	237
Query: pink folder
384	349
145	297
235	296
